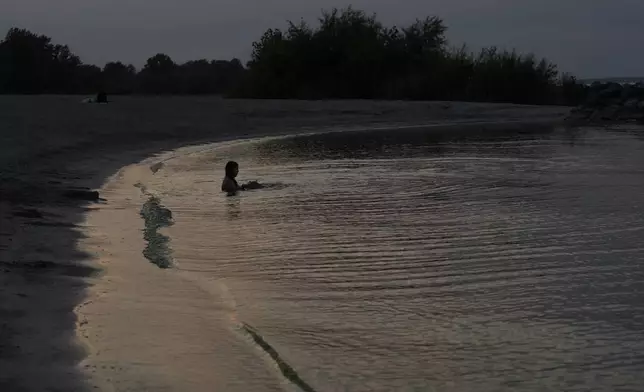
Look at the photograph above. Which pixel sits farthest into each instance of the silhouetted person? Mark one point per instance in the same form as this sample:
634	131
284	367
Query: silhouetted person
101	97
230	185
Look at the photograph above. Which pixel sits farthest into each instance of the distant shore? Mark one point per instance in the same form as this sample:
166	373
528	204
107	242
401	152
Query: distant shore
54	144
303	61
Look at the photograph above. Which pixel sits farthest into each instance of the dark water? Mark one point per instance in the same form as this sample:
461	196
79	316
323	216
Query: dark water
416	261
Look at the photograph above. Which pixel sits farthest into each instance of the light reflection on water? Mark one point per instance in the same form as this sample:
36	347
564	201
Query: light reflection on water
413	260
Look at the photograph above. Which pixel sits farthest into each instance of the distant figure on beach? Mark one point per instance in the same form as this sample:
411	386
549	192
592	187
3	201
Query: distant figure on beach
230	185
101	97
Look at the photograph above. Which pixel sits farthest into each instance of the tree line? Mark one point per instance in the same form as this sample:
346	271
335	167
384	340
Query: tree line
349	54
32	64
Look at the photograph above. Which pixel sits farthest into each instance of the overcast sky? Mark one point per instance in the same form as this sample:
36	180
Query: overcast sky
590	38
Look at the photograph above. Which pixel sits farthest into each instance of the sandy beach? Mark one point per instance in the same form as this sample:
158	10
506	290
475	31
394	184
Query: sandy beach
80	307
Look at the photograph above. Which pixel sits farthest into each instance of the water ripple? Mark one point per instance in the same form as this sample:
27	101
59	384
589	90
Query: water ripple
499	264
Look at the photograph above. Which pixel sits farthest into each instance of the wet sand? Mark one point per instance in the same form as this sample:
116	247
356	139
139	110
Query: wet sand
57	252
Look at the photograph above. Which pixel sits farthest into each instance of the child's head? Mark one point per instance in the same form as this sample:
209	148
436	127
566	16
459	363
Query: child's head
232	169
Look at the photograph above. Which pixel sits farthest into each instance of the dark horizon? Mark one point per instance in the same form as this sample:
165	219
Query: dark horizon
564	33
412	62
613	79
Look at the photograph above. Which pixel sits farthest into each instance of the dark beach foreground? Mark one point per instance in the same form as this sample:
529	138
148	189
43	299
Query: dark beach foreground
55	151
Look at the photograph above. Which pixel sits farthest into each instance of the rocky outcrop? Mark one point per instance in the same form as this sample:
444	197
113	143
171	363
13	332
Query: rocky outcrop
82	194
611	102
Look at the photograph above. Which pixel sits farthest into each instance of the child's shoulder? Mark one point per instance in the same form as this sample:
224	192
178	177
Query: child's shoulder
228	185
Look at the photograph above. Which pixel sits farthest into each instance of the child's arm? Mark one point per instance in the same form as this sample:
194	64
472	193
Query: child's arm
252	185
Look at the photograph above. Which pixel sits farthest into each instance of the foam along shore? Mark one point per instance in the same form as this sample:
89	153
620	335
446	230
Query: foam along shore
78	301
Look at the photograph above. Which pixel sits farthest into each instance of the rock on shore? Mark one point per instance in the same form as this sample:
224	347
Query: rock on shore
611	102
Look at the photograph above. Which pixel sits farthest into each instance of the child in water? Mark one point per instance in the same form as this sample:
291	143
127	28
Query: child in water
230	184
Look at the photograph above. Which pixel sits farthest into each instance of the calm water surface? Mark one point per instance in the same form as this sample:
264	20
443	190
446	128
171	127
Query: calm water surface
414	261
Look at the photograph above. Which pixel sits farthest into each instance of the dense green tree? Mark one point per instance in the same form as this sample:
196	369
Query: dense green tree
119	78
352	55
209	77
30	63
159	75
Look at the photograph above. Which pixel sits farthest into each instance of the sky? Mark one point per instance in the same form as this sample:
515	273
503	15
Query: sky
588	38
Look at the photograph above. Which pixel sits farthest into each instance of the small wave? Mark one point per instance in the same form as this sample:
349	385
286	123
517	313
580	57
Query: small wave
286	369
156	167
274	185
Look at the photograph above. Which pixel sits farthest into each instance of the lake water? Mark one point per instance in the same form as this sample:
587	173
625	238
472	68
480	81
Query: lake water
411	260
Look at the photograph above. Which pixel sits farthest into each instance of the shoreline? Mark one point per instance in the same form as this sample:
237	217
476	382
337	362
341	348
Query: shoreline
44	275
